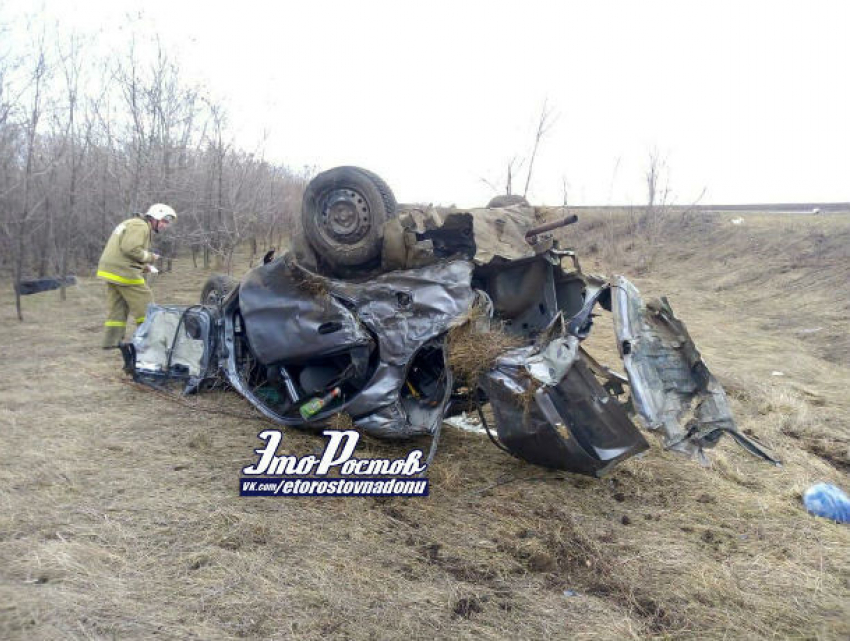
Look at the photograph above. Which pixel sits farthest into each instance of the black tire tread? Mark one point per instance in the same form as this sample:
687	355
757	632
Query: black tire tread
387	194
342	256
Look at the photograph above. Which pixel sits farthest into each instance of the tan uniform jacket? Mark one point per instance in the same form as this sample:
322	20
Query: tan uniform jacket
126	252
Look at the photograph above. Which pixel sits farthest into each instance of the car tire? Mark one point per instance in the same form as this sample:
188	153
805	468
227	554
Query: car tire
506	201
216	289
343	213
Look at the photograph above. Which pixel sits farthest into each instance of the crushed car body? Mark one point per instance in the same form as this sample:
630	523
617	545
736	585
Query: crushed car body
374	310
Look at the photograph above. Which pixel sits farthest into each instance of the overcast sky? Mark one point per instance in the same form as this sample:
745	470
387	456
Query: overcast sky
747	100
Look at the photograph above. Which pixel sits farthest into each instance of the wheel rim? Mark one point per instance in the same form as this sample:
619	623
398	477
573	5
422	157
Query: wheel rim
345	216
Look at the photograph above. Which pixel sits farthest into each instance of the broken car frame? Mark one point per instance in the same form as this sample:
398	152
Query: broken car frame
357	319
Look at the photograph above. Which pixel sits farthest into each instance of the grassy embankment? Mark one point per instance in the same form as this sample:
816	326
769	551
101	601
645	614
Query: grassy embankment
119	514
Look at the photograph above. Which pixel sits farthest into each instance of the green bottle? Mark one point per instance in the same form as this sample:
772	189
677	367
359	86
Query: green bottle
315	405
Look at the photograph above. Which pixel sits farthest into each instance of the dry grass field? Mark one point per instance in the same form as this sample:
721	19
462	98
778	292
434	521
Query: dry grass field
120	516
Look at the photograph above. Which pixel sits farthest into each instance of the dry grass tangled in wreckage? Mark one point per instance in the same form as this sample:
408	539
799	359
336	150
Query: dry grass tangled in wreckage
471	349
120	516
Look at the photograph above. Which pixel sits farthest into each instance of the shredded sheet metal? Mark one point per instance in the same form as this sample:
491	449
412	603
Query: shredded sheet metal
559	416
553	362
672	387
288	311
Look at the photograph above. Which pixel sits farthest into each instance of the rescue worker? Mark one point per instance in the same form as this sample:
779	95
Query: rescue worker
125	258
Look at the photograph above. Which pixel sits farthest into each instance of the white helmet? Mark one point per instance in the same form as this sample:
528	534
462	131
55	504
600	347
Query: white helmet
162	212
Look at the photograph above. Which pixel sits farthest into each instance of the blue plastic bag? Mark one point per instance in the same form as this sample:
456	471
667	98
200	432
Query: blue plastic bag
827	501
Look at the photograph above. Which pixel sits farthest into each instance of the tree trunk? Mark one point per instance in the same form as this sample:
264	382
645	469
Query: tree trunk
19	268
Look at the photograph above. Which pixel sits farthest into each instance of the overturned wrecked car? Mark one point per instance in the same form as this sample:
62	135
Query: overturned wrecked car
398	316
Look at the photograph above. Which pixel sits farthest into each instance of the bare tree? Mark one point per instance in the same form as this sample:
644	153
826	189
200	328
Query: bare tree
515	164
82	147
544	124
28	202
71	61
657	194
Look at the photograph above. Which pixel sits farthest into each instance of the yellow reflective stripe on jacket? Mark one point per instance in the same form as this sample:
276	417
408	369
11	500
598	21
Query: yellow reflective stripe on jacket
140	320
115	278
115	324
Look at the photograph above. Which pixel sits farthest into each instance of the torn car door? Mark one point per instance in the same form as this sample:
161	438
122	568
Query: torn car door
671	386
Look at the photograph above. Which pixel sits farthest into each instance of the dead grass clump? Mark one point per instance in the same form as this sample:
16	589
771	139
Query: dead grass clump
471	351
200	440
789	413
307	281
527	396
341	421
448	474
465	607
311	284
